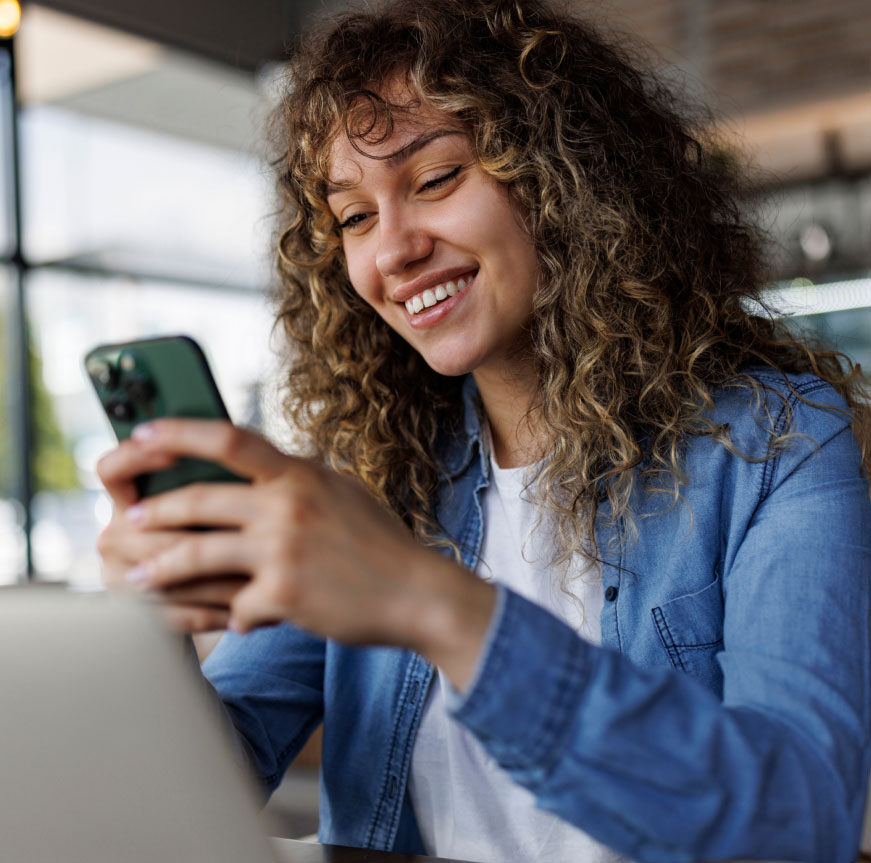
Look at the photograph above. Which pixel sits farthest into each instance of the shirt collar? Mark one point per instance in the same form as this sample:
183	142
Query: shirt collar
459	450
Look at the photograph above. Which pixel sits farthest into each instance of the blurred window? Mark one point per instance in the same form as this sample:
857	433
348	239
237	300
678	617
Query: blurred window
98	194
145	211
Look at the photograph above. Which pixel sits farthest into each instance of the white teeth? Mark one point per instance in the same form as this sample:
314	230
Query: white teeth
428	298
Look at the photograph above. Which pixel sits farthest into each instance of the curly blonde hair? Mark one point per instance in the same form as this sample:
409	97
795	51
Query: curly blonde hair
649	271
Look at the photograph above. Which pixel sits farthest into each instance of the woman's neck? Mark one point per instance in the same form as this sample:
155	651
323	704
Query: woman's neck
510	404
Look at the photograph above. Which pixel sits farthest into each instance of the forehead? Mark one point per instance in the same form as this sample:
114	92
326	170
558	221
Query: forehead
370	135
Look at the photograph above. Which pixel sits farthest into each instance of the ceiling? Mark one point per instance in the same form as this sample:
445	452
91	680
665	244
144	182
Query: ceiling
97	70
243	35
156	64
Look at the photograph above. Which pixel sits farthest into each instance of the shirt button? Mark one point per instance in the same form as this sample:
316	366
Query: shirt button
394	786
611	593
415	688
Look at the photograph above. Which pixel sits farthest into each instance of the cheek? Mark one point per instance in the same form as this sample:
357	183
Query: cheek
360	274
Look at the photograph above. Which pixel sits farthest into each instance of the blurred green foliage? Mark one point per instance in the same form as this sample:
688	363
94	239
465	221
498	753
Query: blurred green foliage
54	466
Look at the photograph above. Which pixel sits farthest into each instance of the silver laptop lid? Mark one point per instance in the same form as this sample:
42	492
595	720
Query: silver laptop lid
110	747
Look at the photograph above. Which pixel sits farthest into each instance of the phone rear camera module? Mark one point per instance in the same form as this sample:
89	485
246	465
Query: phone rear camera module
121	410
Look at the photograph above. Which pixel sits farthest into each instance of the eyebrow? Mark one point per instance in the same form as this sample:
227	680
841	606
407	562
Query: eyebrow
403	154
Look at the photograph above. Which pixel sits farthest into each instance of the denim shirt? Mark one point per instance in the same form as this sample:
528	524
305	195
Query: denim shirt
726	713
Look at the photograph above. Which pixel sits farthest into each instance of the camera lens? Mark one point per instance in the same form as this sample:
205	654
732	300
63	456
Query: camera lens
102	373
120	409
138	389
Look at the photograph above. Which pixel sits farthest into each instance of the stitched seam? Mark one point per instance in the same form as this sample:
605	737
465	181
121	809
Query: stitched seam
376	815
768	466
668	642
303	733
409	746
792	399
620	529
569	680
700	646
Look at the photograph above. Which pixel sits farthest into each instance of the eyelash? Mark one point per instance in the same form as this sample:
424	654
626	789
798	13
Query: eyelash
440	181
359	218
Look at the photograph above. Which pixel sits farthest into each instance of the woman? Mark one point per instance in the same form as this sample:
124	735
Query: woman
579	567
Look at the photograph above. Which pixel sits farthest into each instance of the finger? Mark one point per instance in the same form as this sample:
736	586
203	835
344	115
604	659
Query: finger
134	545
212	504
194	556
118	469
121	548
215	592
250	608
193	618
241	450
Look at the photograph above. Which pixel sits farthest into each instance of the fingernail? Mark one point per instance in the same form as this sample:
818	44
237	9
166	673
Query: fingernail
135	512
144	431
233	626
137	575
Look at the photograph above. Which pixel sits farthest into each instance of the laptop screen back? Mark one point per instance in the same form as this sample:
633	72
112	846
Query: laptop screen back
110	747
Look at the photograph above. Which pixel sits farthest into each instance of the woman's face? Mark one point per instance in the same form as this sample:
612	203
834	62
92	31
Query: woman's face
433	244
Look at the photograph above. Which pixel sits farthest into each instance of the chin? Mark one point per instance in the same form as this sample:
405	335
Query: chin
450	367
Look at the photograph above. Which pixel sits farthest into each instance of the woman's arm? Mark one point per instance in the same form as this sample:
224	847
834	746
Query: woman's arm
651	762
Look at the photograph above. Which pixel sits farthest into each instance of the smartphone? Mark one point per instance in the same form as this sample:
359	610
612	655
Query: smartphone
160	377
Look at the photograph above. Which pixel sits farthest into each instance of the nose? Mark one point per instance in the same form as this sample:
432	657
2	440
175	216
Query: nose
402	240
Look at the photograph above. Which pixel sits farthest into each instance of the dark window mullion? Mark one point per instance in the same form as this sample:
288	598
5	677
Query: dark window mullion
21	401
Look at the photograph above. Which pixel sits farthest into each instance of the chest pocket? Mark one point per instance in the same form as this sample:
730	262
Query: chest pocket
691	630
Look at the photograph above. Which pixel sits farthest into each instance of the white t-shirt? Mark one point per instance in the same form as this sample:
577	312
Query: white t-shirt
467	807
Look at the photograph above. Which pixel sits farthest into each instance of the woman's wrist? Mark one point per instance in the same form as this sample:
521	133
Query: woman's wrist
451	625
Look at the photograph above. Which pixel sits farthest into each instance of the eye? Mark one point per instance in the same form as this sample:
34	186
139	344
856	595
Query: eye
353	221
440	181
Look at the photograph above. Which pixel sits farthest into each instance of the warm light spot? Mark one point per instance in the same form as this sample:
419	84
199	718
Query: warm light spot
10	18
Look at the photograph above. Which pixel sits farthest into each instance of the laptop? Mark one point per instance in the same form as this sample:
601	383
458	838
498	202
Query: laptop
111	746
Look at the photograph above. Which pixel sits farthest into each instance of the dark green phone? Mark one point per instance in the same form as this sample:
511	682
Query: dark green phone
161	377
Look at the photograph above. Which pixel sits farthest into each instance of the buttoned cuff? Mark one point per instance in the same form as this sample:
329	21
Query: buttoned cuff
525	693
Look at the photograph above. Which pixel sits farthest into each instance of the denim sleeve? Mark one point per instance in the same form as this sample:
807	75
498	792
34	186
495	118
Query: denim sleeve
653	764
271	684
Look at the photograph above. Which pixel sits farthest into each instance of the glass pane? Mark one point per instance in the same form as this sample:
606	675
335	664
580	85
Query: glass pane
109	196
12	548
69	314
848	330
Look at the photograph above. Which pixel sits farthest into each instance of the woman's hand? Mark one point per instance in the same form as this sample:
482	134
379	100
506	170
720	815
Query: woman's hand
123	545
313	547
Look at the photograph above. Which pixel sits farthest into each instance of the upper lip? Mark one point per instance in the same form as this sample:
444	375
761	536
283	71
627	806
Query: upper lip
408	289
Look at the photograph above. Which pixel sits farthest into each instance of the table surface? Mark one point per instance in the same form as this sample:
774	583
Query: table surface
294	851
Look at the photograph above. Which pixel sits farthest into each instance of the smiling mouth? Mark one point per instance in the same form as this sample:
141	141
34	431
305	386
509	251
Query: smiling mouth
434	295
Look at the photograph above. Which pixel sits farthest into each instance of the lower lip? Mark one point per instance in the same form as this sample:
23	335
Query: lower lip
430	317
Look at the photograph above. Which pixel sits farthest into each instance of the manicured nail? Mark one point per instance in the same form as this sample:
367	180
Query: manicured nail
144	431
135	512
137	575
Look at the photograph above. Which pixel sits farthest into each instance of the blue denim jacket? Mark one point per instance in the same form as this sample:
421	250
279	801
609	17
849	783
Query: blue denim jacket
726	713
